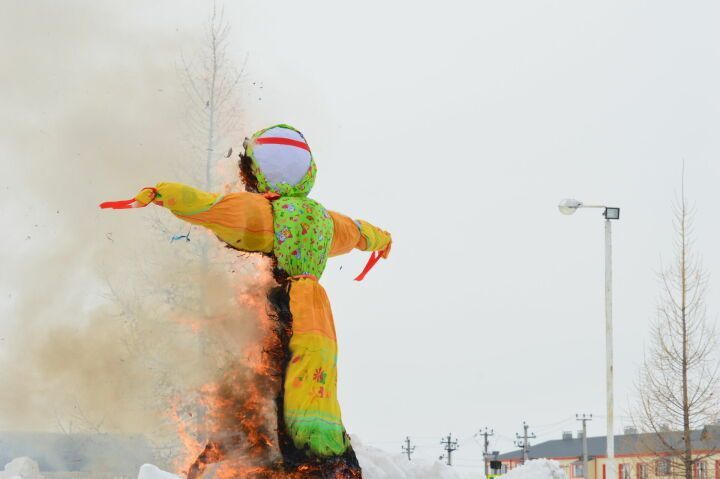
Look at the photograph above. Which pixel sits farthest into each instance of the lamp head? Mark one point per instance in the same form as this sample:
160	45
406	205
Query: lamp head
569	206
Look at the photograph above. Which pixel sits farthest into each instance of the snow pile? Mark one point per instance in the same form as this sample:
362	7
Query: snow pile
379	464
148	471
21	468
376	464
537	469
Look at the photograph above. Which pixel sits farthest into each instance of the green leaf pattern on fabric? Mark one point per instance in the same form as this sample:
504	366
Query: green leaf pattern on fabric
303	235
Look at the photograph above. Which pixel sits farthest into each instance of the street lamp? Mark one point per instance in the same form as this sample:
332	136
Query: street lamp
568	207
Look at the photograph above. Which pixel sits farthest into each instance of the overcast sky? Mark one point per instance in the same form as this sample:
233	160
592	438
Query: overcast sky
457	126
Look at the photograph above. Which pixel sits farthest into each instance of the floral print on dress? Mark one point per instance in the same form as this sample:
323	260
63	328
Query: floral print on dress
319	376
303	235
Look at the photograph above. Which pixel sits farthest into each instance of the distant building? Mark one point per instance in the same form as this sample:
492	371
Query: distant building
637	455
94	456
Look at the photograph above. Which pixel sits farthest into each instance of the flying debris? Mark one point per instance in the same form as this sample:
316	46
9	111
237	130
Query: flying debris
179	237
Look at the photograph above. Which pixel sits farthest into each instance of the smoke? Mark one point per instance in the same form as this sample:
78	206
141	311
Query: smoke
106	324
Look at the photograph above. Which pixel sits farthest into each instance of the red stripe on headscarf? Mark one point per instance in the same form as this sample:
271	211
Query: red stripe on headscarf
274	140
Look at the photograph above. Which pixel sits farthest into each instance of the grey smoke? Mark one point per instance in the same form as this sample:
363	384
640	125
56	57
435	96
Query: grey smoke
98	333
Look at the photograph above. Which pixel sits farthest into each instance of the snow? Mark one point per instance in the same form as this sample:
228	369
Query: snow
376	464
379	464
148	471
21	468
537	469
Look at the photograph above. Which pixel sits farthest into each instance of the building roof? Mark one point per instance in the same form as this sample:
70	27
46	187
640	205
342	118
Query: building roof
704	439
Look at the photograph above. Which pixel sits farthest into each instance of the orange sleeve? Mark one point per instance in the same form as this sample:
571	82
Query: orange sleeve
350	234
346	236
242	220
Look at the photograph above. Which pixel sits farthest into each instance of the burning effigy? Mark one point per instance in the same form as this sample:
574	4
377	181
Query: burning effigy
275	217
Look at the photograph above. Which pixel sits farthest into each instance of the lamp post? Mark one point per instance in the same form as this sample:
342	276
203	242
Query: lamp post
568	207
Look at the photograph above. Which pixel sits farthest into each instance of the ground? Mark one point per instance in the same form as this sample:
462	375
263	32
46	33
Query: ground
377	464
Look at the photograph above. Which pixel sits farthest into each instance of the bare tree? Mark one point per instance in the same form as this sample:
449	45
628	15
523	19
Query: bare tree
678	382
212	83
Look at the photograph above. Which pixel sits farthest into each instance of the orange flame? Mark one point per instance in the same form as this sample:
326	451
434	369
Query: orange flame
239	423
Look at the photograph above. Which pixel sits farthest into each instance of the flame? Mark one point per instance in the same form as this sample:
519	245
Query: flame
234	432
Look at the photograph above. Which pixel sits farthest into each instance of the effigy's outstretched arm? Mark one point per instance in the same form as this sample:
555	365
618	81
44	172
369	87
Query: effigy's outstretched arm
352	234
242	220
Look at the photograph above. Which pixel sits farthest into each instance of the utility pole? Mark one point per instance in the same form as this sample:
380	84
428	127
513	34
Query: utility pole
407	448
449	446
522	441
609	367
584	418
485	434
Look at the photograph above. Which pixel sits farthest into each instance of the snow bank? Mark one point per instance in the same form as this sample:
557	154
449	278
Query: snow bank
537	469
379	464
148	471
21	468
376	464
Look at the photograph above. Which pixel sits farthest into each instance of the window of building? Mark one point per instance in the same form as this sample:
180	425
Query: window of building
662	467
577	470
624	472
700	470
642	471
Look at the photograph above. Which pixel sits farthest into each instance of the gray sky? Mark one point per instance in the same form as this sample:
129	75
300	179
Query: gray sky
457	126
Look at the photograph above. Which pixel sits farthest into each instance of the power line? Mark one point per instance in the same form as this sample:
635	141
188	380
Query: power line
552	427
449	446
408	449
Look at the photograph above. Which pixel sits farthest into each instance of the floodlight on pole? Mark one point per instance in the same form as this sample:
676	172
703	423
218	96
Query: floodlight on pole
568	207
612	213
